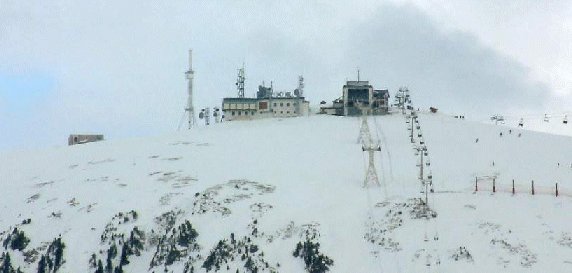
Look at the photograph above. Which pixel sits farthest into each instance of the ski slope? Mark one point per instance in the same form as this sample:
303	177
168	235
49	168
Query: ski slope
281	181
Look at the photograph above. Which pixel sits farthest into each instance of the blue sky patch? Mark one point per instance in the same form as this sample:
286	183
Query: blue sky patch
23	90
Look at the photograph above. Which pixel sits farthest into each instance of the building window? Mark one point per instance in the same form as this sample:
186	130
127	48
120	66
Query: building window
287	112
288	104
233	113
245	113
281	112
281	104
274	104
239	113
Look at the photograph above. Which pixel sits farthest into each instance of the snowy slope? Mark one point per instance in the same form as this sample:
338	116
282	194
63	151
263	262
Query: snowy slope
281	181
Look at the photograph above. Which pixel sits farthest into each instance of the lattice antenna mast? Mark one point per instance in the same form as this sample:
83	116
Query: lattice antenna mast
368	146
240	82
190	74
300	86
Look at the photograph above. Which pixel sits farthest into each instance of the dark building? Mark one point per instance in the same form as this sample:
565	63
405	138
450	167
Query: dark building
359	96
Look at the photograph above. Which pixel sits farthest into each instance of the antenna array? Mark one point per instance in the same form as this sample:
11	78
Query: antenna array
240	82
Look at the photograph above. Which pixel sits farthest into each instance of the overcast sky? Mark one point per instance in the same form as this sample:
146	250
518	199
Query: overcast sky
117	67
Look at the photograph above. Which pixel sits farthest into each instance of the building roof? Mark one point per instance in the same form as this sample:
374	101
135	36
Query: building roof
357	83
235	99
383	92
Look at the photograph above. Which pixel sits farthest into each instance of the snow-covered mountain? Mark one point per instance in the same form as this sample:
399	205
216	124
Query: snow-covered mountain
247	196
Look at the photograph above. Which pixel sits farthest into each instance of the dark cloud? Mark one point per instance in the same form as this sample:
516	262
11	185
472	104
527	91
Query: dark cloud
400	46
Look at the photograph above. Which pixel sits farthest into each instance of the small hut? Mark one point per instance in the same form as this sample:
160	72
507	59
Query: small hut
81	139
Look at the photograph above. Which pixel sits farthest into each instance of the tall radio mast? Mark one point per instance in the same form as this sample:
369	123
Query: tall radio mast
190	75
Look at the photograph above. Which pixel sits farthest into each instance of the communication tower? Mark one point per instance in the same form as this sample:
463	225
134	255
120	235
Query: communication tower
190	74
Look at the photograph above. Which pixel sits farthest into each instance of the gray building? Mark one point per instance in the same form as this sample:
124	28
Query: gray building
83	138
356	97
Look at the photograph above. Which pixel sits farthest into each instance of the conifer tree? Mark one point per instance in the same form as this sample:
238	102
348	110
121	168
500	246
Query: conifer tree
99	267
42	265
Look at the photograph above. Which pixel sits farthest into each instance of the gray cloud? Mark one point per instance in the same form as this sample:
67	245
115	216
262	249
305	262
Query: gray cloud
400	45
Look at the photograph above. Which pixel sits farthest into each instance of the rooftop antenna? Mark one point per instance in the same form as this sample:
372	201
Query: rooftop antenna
300	86
358	74
190	75
240	82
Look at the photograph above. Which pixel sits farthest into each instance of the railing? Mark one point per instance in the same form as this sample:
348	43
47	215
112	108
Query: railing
492	184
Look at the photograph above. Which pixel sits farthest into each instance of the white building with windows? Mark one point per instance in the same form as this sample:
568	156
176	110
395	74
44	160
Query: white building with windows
265	105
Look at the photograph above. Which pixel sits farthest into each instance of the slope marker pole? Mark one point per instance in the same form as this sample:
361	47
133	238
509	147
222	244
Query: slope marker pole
532	187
